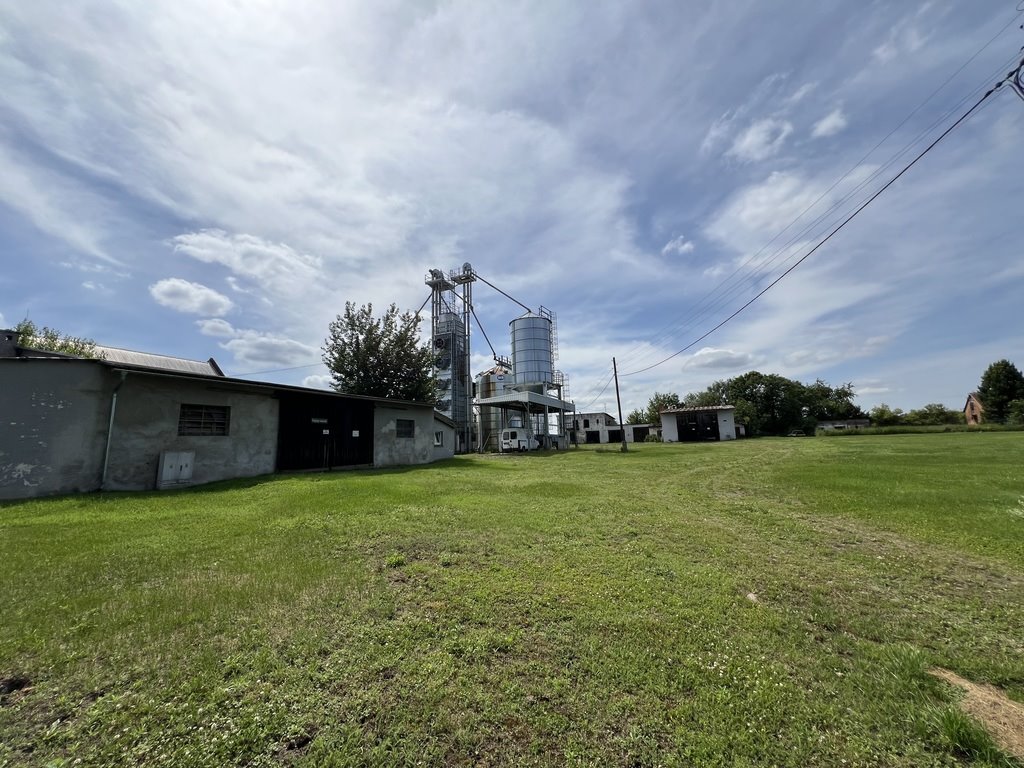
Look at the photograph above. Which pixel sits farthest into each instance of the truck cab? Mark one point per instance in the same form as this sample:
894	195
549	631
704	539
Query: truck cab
518	440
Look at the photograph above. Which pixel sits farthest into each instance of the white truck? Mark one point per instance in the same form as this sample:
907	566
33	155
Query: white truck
518	440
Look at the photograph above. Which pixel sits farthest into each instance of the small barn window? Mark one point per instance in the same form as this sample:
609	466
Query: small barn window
438	439
204	420
405	428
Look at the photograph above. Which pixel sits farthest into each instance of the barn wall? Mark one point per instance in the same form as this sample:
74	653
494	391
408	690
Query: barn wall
53	423
146	423
447	449
389	450
726	425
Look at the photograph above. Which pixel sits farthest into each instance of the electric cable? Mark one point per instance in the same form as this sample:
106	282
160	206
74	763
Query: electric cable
586	408
667	331
846	221
707	307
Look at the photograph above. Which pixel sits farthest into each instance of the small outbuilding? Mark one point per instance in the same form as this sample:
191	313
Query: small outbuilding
600	428
974	410
687	424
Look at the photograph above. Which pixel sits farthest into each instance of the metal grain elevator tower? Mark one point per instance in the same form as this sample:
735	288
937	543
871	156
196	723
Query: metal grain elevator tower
451	302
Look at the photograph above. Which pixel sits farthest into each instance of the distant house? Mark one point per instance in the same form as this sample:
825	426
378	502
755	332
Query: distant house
831	424
600	428
137	421
695	423
974	411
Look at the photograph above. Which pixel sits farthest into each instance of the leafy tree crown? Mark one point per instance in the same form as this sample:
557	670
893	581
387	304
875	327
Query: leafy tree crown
51	340
379	357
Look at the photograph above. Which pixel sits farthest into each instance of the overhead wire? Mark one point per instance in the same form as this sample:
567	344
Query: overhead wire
587	407
707	307
678	325
837	229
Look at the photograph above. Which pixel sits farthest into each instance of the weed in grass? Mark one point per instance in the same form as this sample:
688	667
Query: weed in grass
963	736
1018	510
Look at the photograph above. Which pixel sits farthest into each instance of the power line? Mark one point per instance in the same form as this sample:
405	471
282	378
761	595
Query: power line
846	221
707	306
278	370
586	408
704	307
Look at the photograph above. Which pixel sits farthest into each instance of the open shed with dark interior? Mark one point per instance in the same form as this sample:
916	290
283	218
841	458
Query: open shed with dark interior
321	431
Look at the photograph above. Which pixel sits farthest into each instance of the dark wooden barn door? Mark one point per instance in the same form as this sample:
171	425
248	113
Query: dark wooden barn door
320	432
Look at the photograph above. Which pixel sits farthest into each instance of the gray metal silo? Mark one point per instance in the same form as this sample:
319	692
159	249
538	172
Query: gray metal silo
489	384
532	363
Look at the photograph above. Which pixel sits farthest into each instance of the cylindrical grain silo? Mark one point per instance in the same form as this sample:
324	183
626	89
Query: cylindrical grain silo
531	351
489	384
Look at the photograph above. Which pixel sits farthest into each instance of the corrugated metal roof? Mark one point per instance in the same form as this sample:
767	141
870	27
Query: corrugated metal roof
159	362
693	408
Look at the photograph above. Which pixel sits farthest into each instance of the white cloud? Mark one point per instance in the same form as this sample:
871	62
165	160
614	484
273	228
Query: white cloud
317	381
761	140
800	93
830	124
56	205
193	298
264	350
678	245
720	359
717	133
216	327
271	265
866	391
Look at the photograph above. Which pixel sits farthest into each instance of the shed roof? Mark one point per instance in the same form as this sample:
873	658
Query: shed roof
159	362
218	380
697	408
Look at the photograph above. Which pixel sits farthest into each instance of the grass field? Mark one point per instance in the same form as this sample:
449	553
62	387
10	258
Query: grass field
764	602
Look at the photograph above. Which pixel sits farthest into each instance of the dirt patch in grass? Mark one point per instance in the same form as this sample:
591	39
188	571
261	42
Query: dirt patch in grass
13	684
1002	717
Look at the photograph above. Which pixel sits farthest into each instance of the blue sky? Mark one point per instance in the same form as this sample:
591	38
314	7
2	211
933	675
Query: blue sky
217	179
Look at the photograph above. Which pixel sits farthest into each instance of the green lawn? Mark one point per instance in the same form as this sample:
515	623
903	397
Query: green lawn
764	602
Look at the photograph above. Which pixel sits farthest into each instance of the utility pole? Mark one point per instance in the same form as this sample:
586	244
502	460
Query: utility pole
618	400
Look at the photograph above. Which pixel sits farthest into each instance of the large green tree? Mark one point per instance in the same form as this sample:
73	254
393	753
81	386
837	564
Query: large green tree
882	415
380	357
933	414
825	402
637	416
51	340
659	402
1000	385
768	403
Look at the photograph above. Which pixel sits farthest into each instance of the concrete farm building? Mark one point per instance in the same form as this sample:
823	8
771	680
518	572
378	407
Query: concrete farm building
691	424
137	421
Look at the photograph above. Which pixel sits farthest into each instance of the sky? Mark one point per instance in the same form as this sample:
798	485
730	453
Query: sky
217	179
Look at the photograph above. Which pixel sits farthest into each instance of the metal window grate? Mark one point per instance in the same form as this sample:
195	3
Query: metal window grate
204	420
405	428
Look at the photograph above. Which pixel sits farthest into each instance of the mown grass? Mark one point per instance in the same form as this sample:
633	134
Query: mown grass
768	602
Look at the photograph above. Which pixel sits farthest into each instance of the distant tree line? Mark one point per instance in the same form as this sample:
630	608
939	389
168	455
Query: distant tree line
933	414
767	403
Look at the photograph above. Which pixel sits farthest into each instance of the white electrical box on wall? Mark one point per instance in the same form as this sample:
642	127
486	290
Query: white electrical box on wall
175	469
